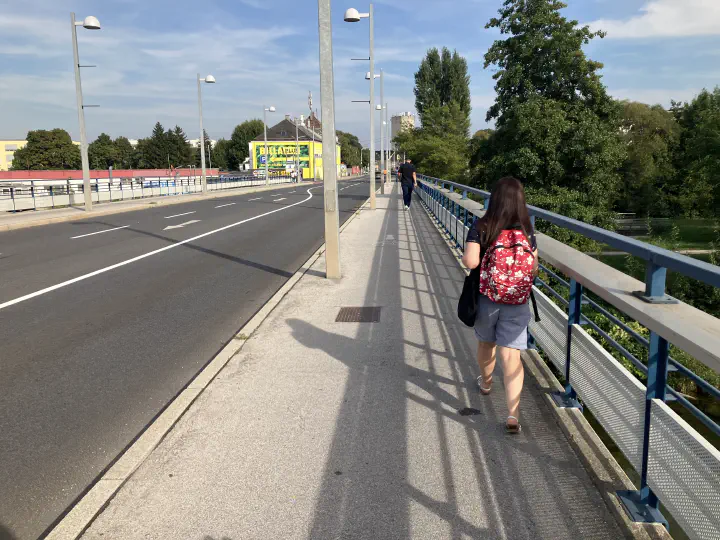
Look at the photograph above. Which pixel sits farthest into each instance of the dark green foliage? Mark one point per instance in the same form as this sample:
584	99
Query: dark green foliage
47	149
239	149
350	148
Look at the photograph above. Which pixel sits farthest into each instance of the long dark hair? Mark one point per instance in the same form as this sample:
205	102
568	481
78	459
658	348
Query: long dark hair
507	209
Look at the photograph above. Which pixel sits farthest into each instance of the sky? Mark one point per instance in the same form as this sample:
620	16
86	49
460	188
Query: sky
265	52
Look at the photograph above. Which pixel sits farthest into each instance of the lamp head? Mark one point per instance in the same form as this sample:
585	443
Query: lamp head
271	109
91	23
210	79
352	15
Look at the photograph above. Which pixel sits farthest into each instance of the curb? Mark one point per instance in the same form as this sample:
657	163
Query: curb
151	202
81	515
604	471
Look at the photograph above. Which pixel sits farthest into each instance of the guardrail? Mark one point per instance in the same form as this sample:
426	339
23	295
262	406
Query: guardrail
36	194
676	465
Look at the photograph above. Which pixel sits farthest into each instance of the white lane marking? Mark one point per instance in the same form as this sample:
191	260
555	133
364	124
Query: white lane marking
145	255
292	192
224	205
278	200
178	215
250	200
99	232
182	224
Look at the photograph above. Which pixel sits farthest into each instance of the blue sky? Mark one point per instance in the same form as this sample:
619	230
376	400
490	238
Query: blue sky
266	52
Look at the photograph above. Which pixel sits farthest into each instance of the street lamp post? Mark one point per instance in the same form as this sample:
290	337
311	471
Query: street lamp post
90	23
327	89
208	80
352	15
297	152
267	156
383	142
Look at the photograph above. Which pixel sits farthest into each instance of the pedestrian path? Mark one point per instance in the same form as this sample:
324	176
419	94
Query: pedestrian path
320	429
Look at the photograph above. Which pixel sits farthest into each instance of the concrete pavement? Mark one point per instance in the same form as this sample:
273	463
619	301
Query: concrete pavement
320	429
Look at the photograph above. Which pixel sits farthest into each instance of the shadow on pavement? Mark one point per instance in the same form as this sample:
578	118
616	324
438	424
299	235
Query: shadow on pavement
401	453
5	533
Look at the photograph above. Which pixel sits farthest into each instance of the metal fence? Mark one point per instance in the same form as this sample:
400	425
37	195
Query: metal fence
36	194
676	465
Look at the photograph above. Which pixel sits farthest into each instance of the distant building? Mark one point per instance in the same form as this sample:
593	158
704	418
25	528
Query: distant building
7	151
283	150
196	143
402	122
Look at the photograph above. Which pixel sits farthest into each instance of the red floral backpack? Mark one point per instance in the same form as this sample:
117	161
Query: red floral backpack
506	269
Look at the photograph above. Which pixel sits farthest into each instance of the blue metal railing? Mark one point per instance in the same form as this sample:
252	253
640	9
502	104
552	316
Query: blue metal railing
642	504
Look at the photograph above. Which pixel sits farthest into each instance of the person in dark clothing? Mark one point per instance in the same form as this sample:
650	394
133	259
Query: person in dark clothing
408	179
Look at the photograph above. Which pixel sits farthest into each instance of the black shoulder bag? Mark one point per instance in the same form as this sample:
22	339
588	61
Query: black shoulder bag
467	305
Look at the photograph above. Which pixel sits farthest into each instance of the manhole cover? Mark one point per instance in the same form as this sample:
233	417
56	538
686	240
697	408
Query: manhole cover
359	315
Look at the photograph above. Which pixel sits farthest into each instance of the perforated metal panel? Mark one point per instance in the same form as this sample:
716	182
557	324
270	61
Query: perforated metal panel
615	397
551	333
684	471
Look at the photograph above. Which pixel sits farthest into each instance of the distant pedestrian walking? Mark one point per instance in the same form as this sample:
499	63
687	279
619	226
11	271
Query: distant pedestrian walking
502	246
408	180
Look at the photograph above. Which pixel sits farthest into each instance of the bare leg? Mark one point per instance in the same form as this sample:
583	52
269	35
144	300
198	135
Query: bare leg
486	361
514	374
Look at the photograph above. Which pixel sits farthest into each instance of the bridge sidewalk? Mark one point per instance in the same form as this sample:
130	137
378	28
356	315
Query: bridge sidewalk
320	429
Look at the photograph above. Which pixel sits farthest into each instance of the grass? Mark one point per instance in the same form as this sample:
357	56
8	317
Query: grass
693	234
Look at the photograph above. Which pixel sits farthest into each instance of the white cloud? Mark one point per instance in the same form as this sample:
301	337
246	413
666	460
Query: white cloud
667	18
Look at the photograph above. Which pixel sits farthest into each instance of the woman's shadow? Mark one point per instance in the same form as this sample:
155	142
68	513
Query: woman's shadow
6	534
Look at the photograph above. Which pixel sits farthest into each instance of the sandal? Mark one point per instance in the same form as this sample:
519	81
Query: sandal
484	391
513	429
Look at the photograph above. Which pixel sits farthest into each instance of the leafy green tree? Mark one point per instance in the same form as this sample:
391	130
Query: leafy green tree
556	125
350	148
220	153
239	148
442	98
698	159
441	79
124	153
47	149
179	150
651	135
102	152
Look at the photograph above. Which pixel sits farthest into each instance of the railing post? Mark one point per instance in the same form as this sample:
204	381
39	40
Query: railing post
655	278
464	196
32	193
568	398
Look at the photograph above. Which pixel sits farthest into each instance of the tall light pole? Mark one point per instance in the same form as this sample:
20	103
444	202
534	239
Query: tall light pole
327	89
208	80
388	141
383	142
267	156
352	15
90	23
297	152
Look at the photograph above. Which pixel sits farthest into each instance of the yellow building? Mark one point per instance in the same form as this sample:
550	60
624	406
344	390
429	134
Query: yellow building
283	151
7	151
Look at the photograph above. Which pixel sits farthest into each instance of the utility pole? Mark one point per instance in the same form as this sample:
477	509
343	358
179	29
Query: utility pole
327	89
383	157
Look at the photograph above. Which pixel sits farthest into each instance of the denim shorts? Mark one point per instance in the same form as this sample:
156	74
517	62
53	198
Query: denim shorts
503	324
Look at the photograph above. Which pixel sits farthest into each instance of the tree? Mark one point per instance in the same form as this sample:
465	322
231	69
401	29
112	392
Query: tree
698	159
45	149
239	148
442	80
152	153
102	152
220	153
556	125
442	98
123	153
179	150
350	148
651	135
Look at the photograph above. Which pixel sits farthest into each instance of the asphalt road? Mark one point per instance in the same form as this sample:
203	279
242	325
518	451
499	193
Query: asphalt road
104	321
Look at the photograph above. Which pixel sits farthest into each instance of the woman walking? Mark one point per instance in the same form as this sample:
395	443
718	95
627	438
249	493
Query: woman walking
502	243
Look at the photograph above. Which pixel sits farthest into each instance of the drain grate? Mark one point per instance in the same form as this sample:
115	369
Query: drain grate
359	315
